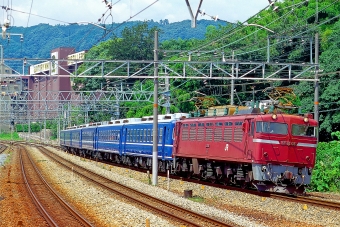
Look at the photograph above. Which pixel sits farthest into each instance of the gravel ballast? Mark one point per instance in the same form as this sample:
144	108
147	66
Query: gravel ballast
240	208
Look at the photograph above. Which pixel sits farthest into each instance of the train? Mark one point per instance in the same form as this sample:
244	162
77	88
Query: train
251	148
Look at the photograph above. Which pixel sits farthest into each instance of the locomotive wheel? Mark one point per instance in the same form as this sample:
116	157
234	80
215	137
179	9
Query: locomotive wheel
190	174
212	180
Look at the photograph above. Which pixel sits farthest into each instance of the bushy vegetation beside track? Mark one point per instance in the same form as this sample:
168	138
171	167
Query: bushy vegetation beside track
326	174
8	136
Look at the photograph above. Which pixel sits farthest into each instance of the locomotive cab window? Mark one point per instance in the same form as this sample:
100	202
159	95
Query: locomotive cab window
272	127
303	130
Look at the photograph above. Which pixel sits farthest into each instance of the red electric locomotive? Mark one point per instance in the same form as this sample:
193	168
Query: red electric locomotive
272	152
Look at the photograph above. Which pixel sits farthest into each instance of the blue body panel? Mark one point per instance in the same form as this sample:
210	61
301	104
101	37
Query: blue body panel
88	138
137	140
133	139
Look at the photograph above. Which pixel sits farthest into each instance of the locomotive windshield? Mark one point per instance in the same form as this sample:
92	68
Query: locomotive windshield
303	130
272	127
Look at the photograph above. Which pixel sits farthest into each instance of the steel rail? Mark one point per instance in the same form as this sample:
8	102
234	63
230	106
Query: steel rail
40	207
174	212
82	221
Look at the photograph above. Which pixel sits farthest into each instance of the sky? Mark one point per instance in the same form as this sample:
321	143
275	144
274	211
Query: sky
72	11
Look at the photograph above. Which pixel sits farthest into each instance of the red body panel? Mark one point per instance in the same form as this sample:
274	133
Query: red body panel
212	138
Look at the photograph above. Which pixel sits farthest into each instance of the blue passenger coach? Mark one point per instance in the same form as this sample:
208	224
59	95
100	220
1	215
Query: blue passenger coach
128	141
71	137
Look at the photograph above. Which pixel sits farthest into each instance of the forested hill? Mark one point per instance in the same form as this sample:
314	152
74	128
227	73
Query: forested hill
39	40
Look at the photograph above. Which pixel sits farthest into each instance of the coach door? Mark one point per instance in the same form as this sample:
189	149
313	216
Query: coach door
161	138
123	138
248	128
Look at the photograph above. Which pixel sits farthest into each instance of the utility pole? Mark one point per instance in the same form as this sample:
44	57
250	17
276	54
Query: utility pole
193	17
167	94
155	116
316	88
232	81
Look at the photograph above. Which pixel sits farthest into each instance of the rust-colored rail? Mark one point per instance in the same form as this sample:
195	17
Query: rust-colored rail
55	210
308	200
165	209
299	199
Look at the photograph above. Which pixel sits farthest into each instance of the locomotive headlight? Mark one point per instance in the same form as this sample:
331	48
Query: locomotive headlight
300	171
274	116
306	119
310	171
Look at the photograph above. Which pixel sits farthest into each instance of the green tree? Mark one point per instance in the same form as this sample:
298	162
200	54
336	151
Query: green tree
326	176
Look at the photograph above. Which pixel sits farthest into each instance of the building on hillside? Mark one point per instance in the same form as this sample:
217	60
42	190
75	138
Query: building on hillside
49	85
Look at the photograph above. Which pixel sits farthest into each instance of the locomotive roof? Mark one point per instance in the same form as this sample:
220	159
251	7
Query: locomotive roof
281	117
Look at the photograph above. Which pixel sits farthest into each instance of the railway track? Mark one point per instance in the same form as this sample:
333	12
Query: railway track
308	200
52	207
297	199
172	212
2	148
300	199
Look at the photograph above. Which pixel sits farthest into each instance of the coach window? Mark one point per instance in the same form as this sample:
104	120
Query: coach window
160	138
136	135
140	135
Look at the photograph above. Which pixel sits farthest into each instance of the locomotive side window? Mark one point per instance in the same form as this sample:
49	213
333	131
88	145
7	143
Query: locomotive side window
185	132
238	123
303	130
200	132
252	127
228	131
218	131
238	132
209	132
228	123
192	132
272	127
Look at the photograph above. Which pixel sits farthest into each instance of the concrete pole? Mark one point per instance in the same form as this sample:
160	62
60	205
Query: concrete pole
268	49
58	130
29	126
155	116
232	82
193	17
316	88
45	122
167	86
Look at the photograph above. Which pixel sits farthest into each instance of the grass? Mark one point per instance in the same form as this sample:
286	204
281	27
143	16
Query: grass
8	136
197	199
